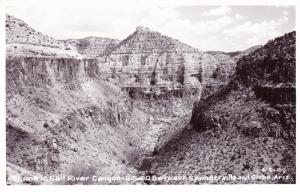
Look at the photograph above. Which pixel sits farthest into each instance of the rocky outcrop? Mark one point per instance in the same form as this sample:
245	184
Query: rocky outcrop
32	71
276	93
17	31
92	47
135	96
202	118
23	41
58	106
256	79
65	99
235	133
148	63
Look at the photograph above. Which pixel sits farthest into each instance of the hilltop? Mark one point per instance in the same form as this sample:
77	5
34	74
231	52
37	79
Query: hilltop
22	40
144	40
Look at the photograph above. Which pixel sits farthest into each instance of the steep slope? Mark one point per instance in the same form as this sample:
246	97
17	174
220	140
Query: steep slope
162	75
237	133
62	115
135	96
225	69
24	41
246	52
92	47
156	64
236	55
144	40
273	63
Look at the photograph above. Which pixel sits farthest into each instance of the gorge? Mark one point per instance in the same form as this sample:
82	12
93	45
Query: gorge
145	105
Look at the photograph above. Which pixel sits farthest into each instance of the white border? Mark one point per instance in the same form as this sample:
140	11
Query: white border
173	188
156	2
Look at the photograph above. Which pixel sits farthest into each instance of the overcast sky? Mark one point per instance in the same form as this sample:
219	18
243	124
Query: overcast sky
225	28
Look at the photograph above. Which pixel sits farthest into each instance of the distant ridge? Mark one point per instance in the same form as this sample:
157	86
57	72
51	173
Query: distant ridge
144	40
22	40
92	47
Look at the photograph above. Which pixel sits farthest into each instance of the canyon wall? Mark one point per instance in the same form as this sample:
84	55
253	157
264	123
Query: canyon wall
60	109
107	101
266	78
150	65
63	99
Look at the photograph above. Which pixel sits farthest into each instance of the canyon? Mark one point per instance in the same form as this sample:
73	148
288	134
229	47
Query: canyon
107	107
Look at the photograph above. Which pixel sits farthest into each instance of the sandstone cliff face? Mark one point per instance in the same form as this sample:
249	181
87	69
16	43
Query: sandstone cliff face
42	72
63	99
92	47
150	64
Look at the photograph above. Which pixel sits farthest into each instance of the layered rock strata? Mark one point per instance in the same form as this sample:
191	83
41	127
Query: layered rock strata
150	65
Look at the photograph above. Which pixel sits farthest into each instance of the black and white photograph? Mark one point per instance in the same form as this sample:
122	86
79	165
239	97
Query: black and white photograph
149	94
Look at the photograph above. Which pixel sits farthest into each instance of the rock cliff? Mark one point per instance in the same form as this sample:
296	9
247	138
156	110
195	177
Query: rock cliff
58	106
261	75
62	96
150	65
243	127
257	106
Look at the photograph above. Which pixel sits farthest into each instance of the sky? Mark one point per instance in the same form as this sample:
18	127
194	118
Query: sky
217	28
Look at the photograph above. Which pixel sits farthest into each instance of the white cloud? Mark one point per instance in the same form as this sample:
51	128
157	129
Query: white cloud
283	20
285	12
238	16
200	34
218	11
251	28
251	33
225	31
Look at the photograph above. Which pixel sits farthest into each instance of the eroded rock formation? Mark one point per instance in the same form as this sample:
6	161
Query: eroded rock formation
149	64
58	106
135	96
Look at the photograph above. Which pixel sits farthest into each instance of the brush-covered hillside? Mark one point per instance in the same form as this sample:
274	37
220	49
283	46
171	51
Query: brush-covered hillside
241	129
